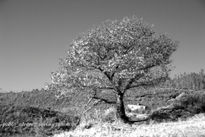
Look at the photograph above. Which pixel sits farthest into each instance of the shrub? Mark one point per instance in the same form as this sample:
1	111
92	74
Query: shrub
194	102
28	120
186	106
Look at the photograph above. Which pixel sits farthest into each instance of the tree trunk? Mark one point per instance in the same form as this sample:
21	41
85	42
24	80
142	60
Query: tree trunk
121	109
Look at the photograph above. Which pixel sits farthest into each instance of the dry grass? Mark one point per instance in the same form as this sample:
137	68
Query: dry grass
193	127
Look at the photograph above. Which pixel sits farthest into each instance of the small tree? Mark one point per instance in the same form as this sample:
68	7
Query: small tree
116	55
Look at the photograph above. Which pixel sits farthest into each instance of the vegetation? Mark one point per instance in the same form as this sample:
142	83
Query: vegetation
36	98
193	127
18	120
115	56
194	81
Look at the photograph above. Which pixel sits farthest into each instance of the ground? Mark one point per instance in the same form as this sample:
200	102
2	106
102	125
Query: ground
192	127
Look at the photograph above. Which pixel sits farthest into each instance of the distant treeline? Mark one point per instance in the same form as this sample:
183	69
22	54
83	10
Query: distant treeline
192	81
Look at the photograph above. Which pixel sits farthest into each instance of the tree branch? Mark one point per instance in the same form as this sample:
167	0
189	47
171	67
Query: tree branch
101	99
99	87
94	104
130	82
148	67
104	100
149	83
106	74
110	78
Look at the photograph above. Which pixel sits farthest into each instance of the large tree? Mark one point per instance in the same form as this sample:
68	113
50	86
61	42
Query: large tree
116	55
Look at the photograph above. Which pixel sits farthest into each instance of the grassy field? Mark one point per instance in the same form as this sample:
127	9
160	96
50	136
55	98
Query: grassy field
192	127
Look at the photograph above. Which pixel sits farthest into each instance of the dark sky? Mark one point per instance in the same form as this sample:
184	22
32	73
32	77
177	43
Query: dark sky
34	34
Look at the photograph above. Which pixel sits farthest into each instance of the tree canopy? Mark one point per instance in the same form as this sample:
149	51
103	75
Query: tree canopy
116	55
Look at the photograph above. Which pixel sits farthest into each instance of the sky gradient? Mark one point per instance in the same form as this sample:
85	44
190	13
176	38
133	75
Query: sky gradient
34	34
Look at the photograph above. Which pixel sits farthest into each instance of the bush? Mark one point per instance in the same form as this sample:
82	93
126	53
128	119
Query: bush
30	120
194	103
186	106
170	114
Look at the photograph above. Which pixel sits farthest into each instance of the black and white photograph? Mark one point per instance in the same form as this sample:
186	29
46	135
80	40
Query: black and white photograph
102	68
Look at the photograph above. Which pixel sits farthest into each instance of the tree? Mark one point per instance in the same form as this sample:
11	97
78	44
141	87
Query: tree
116	55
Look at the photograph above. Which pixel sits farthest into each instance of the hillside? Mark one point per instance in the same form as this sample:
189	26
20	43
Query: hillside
38	98
25	120
42	106
152	97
